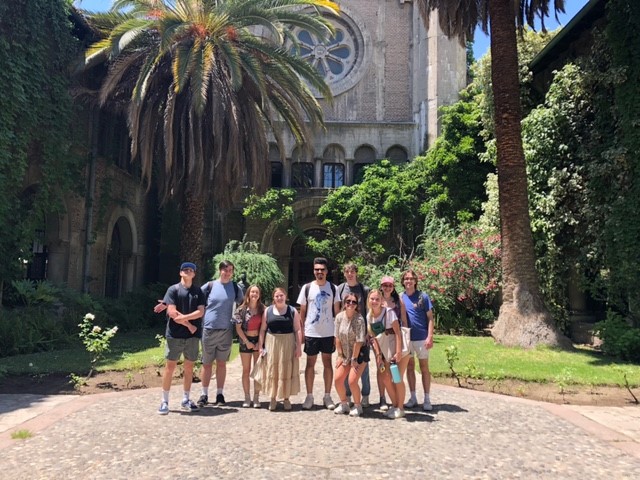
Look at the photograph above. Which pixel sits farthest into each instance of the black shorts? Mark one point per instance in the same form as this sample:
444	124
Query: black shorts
243	347
313	345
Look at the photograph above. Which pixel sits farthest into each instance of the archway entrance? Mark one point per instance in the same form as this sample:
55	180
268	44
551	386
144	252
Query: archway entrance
119	257
301	263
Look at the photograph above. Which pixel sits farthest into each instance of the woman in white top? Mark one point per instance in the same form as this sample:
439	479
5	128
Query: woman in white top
387	345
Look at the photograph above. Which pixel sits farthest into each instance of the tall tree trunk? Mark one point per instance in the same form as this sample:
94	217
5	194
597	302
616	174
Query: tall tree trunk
524	320
191	229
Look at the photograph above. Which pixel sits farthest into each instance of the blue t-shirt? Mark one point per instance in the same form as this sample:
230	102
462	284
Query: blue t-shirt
186	300
417	305
221	301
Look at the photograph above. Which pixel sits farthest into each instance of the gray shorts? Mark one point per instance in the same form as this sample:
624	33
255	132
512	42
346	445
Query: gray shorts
216	345
188	347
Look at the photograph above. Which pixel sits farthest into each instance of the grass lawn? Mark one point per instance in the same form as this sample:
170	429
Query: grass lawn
131	350
480	357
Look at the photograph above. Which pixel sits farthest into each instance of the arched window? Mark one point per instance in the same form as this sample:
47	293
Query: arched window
276	166
302	175
332	175
362	158
397	154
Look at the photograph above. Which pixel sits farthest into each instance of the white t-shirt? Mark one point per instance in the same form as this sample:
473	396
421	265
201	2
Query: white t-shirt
318	322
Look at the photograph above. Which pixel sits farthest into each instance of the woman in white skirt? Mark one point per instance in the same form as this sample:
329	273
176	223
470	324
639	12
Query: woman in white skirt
281	344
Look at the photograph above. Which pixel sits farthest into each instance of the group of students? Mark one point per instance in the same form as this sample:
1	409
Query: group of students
350	319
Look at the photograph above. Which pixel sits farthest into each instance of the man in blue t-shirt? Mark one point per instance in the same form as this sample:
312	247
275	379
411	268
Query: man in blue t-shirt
420	319
222	296
185	306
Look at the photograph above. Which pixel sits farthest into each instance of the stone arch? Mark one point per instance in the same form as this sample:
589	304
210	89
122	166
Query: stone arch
364	155
397	154
120	267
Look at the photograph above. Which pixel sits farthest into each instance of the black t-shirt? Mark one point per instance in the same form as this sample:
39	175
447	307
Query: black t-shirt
186	300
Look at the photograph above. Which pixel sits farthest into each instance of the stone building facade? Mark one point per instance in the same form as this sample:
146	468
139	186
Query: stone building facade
388	75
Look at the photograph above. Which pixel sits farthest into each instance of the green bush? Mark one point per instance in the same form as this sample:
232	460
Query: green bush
619	339
462	275
134	309
32	329
261	268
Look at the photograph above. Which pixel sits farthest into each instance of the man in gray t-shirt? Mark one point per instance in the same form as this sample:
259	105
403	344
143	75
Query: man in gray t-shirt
217	333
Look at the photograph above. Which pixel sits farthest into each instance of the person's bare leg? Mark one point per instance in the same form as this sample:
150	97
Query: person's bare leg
167	376
328	372
246	370
206	374
187	380
221	373
309	373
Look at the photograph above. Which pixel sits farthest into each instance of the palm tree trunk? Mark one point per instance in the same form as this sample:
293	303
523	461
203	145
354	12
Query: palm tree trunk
524	320
191	228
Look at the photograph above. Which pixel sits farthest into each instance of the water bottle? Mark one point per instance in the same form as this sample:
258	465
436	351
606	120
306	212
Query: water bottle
395	373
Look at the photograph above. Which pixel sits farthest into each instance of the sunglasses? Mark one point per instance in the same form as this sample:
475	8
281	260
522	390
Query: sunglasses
319	269
350	302
387	285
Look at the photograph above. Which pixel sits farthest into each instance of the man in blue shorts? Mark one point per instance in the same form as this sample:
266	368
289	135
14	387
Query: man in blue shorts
222	296
185	307
420	319
319	304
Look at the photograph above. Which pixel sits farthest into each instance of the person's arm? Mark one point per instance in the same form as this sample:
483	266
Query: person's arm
160	307
429	341
403	314
263	330
396	330
176	316
303	317
297	331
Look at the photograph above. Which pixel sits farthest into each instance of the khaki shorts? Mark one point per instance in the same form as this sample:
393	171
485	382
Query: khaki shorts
216	345
422	352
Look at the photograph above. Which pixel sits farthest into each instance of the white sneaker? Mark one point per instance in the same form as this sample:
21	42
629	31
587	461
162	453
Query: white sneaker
356	411
412	402
397	413
426	406
390	413
328	402
342	408
308	403
246	403
383	405
365	401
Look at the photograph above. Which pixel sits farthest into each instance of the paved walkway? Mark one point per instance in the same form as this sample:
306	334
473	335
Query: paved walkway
468	435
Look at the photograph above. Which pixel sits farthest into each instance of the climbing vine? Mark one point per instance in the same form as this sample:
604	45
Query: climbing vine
36	48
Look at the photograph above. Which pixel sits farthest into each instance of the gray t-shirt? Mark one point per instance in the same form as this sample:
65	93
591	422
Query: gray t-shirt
221	300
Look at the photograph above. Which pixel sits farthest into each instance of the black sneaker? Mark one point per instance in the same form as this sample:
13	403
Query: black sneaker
203	400
220	400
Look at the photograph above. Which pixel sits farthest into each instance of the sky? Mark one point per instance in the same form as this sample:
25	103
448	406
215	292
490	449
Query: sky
480	46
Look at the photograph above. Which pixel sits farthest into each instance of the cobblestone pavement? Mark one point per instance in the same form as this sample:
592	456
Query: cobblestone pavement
468	435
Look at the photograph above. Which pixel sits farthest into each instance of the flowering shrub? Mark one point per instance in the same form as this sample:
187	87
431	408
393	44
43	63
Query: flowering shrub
95	339
462	276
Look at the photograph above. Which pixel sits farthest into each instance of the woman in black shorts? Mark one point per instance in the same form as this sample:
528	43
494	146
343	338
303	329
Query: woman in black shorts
248	319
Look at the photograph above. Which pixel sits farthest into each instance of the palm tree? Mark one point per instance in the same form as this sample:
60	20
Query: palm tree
204	82
524	320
